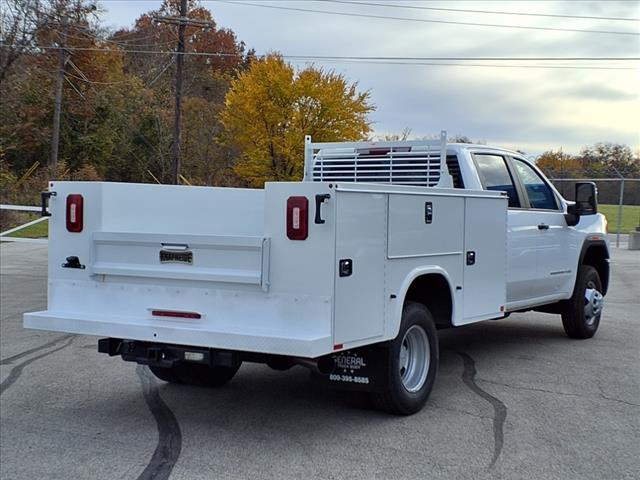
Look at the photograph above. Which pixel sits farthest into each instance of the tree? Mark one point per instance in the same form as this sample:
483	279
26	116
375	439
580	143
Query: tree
91	74
270	108
20	23
208	75
397	137
610	159
117	104
559	164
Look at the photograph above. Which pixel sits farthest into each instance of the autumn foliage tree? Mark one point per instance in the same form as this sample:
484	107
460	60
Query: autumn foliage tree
557	163
118	93
599	160
271	107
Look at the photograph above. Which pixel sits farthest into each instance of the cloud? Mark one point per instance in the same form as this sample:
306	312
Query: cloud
595	91
526	108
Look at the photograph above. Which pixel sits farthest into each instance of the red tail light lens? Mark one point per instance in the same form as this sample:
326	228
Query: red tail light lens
297	218
75	213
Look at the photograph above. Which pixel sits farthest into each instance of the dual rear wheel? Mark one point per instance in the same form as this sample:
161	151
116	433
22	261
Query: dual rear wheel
411	361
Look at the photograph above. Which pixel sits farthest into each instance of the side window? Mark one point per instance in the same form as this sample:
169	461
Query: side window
454	170
495	175
539	193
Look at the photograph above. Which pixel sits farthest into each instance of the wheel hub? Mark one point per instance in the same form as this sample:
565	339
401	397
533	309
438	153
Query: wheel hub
593	304
414	358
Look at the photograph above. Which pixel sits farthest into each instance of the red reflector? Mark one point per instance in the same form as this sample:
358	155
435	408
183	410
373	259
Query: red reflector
338	346
75	207
173	314
297	218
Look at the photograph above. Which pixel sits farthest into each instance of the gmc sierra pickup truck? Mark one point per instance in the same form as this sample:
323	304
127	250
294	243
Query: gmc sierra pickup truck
349	272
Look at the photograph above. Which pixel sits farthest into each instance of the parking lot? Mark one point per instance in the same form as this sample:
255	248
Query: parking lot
514	398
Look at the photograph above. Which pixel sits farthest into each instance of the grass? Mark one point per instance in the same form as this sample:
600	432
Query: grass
630	219
39	230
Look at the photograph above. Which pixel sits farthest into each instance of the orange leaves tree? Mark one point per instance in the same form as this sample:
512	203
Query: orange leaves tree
559	164
270	108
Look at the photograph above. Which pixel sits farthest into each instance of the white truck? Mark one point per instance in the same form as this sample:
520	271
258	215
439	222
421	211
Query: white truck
349	272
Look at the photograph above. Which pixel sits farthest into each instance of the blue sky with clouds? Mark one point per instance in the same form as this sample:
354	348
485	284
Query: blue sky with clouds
525	108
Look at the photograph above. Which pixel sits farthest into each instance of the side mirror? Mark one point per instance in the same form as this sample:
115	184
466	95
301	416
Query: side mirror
586	203
586	198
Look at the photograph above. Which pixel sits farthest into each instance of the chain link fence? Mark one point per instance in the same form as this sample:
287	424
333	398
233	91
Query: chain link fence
618	198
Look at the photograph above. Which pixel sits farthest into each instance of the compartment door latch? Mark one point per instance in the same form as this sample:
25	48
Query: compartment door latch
471	258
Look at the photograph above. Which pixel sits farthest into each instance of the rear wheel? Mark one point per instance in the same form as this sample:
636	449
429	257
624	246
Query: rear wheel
581	317
195	374
412	362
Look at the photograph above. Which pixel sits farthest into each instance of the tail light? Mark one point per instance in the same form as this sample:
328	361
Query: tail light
297	218
75	213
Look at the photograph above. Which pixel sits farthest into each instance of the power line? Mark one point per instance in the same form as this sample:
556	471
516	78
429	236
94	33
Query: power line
490	12
396	60
424	20
348	57
559	67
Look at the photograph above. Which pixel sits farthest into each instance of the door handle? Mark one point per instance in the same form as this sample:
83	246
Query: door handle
543	226
320	199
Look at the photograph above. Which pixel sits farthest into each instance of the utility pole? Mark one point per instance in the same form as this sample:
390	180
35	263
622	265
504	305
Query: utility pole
178	108
57	107
182	21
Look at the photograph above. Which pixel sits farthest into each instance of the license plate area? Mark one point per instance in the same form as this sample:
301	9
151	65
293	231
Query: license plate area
173	256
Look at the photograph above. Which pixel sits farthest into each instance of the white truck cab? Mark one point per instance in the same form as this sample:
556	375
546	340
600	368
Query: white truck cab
349	272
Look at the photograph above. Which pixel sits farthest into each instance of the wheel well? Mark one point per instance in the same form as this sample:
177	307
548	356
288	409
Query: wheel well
432	290
598	257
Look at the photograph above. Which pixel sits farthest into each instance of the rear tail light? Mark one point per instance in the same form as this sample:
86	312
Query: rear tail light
75	213
297	218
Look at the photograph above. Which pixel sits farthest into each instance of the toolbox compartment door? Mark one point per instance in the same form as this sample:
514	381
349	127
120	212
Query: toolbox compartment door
360	239
205	258
485	280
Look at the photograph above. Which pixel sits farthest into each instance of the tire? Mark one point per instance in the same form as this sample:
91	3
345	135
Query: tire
409	377
582	313
166	374
195	374
280	364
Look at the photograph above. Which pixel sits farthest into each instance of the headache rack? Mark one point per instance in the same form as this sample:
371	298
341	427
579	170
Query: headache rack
421	163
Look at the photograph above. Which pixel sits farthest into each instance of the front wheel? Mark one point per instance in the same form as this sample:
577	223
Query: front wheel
581	316
412	362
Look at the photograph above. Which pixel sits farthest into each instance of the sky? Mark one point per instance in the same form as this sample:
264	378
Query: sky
530	109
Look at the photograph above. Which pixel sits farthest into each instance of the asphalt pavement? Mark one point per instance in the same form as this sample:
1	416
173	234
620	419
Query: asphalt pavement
514	398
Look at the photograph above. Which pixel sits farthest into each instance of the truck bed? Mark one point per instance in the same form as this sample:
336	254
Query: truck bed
248	286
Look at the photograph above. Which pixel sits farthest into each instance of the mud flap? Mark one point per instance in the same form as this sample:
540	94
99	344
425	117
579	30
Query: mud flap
362	369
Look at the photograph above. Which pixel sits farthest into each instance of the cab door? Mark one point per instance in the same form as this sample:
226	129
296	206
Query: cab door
522	234
544	210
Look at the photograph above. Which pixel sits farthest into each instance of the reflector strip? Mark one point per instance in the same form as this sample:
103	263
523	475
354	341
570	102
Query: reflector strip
174	314
338	346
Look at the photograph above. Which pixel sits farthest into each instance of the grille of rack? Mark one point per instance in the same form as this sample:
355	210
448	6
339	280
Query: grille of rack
395	165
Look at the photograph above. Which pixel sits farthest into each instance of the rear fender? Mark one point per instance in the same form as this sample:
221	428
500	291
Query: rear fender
396	317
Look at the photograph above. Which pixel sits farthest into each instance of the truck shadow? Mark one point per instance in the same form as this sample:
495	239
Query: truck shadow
257	388
286	413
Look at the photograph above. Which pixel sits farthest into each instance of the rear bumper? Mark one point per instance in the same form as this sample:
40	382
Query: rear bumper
289	341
